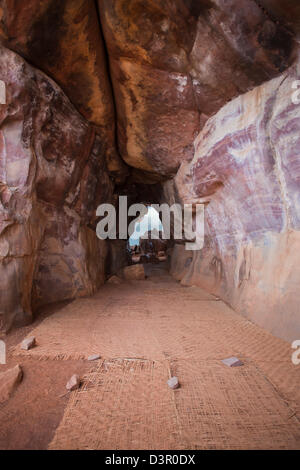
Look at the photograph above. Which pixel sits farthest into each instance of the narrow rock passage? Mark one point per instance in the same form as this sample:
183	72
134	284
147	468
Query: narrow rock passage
147	331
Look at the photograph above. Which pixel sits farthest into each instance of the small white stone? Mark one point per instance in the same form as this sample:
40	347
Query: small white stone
232	362
73	383
173	383
94	357
28	343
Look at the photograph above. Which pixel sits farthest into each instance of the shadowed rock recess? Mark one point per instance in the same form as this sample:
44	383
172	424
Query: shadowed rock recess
186	101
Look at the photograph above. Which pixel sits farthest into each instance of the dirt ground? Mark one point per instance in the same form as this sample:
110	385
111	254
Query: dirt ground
145	332
29	418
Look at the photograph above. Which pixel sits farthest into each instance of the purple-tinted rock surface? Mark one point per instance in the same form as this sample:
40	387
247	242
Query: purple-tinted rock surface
246	171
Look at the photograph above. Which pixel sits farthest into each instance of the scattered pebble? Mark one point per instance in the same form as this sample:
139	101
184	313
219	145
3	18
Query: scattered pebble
28	343
173	383
232	362
94	357
74	383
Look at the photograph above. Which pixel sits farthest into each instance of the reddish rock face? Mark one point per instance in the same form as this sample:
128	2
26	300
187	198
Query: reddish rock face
64	40
53	176
173	64
141	79
246	171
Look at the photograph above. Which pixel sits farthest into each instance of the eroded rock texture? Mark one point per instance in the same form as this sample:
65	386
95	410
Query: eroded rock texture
53	176
63	38
115	94
173	64
246	172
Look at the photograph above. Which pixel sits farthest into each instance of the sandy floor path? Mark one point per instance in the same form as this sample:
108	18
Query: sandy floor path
145	332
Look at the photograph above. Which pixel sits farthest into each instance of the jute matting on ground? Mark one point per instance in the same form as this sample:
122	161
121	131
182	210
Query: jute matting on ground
126	405
145	332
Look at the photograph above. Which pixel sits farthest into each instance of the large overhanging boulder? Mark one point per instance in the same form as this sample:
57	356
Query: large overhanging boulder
174	64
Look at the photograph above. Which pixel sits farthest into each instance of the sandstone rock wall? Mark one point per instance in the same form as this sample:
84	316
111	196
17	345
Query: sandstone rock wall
175	63
246	172
53	175
64	39
140	79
